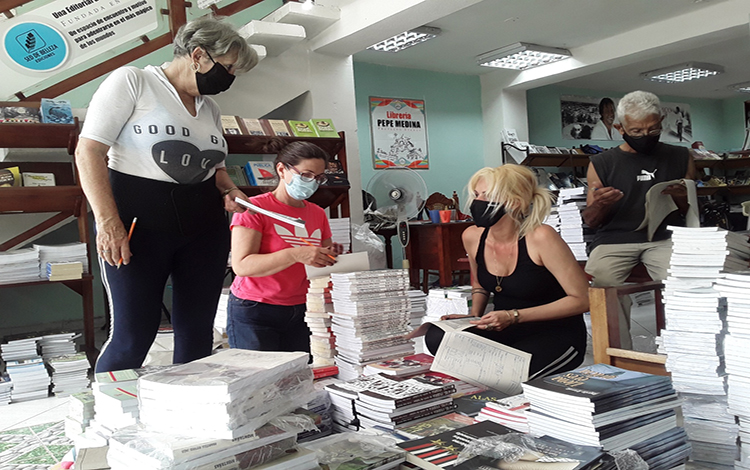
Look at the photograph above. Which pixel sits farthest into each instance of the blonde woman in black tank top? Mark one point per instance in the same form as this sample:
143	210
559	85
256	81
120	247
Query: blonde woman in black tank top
539	290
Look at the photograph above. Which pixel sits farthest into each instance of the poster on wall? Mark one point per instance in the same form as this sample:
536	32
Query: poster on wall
62	34
399	133
593	118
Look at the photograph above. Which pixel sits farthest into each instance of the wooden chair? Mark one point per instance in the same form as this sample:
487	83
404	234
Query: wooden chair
605	325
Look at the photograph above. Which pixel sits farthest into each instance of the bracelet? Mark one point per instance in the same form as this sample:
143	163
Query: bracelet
516	316
227	191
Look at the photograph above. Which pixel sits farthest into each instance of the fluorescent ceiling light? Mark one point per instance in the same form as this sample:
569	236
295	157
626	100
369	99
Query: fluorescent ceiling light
406	39
682	72
522	56
743	87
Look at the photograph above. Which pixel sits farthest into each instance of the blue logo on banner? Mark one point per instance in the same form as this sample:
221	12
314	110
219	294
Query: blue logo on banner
36	46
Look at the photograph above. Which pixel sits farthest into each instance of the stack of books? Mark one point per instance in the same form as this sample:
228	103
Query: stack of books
417	307
319	409
470	405
402	402
67	253
463	388
69	374
80	413
115	403
510	412
734	287
570	203
356	451
220	320
695	335
402	366
61	344
341	232
448	301
318	308
602	405
227	395
370	318
5	387
145	449
26	369
19	266
64	271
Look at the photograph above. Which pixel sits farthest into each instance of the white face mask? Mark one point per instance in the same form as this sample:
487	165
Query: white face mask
301	190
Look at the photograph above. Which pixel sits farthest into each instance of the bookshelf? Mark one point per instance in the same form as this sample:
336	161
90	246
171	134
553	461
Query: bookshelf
65	200
333	198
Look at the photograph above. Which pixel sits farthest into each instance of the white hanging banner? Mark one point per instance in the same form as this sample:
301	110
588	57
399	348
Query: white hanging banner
63	34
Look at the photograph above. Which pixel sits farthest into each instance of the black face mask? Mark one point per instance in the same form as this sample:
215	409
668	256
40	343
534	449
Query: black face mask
644	145
214	81
481	212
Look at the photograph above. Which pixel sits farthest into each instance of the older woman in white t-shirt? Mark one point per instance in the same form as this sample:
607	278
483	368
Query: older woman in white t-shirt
152	148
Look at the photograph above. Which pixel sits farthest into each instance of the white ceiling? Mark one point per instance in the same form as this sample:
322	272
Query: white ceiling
623	26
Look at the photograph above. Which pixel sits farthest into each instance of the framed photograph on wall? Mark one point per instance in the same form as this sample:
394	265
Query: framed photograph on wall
398	128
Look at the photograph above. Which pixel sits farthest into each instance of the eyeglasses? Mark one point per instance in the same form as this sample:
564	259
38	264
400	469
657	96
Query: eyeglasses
309	176
640	133
228	68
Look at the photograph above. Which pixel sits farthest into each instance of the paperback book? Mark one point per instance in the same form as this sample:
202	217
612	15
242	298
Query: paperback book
261	173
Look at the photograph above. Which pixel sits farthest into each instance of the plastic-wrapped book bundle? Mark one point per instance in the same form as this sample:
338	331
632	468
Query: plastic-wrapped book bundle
370	318
226	395
448	301
695	338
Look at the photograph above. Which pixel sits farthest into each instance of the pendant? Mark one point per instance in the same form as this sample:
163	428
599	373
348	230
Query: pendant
498	289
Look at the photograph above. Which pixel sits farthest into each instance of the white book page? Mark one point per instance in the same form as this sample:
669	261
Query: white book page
475	359
347	263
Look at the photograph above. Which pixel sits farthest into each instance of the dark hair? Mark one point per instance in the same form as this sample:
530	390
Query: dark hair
291	153
603	102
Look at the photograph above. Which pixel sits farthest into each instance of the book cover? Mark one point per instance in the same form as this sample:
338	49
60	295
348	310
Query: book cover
436	425
351	451
538	453
302	129
471	404
261	173
335	173
231	124
324	127
442	449
10	177
406	419
38	179
408	365
55	111
253	126
20	114
237	175
595	382
396	393
279	127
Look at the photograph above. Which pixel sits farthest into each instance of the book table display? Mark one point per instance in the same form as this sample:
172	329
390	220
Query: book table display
64	200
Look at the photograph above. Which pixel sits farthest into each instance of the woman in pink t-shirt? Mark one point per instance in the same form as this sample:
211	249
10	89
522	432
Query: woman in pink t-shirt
267	305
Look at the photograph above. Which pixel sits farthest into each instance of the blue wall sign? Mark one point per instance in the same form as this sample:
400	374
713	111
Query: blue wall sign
35	46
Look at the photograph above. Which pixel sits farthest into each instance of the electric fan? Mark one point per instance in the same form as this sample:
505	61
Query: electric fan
401	190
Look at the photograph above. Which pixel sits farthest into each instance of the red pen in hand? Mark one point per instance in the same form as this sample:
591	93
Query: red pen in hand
130	234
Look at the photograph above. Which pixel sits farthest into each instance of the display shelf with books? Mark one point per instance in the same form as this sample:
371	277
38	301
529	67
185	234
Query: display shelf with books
63	201
335	198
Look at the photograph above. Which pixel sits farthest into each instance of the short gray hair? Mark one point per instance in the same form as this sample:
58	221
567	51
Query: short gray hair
638	105
218	38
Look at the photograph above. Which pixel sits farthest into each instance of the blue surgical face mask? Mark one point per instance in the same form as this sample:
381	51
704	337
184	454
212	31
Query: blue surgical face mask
301	190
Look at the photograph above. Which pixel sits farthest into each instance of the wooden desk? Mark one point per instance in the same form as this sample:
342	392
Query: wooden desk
435	247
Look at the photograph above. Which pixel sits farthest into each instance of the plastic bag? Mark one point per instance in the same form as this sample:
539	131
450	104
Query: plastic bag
364	239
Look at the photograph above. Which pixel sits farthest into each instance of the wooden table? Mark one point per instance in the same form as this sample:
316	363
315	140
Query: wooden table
436	247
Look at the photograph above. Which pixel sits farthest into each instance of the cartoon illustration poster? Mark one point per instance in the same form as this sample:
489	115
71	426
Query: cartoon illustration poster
399	133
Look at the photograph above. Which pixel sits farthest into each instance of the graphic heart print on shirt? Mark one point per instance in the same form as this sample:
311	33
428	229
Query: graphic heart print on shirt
183	161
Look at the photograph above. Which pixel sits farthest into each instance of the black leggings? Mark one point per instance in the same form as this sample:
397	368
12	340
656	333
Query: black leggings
552	351
197	264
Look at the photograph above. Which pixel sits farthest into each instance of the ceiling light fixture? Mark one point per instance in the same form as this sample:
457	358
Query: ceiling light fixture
522	56
743	87
406	39
683	72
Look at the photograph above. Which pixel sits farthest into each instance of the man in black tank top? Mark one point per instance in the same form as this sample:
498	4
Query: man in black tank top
618	181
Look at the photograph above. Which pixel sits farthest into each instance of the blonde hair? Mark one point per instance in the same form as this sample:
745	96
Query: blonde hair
516	188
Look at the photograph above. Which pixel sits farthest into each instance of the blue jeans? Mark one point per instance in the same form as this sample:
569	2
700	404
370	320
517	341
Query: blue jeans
265	327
